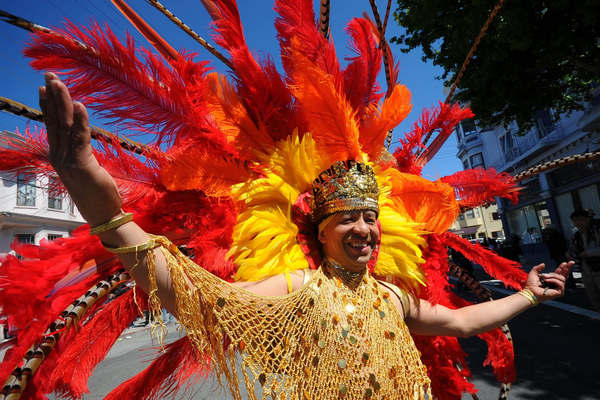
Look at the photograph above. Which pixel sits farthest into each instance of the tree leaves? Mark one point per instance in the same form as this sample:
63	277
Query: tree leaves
535	55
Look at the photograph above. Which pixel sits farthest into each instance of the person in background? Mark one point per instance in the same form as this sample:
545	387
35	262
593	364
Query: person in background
585	251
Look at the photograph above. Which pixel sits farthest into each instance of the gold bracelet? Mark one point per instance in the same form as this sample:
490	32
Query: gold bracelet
528	294
150	244
115	222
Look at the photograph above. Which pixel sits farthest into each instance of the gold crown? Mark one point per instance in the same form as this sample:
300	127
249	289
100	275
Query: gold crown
346	185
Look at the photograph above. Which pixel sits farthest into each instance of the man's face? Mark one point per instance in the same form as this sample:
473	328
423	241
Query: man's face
350	238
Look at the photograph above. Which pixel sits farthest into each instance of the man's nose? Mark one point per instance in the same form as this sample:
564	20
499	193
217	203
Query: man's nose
361	226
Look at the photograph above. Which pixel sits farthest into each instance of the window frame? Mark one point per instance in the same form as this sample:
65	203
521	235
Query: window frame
55	198
474	164
26	190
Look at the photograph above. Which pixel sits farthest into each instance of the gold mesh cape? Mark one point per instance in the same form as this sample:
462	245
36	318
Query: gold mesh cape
324	341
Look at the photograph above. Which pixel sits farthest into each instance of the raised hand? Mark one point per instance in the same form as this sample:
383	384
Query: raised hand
91	187
547	286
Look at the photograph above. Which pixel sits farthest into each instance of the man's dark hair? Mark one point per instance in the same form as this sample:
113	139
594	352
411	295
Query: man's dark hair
582	212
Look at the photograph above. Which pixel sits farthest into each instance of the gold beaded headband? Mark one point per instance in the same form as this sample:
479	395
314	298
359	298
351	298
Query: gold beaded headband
345	186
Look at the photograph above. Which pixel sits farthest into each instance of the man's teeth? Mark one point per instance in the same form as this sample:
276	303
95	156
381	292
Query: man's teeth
358	245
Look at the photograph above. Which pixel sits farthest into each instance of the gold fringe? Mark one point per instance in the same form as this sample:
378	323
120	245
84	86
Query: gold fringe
307	344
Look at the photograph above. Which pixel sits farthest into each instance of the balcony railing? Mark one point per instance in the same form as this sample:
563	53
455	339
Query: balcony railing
531	143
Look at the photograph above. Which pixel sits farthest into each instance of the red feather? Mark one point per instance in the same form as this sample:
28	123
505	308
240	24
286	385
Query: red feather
35	278
440	354
500	355
360	76
479	186
442	120
507	271
85	348
27	153
297	32
165	376
266	96
392	66
446	118
107	76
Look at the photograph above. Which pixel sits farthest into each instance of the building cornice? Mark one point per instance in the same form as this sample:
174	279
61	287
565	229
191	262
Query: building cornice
8	218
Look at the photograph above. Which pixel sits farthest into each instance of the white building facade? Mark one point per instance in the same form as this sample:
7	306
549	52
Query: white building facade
479	223
31	211
546	199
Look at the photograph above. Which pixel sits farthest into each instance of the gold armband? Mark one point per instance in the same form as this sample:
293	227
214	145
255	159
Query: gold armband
528	294
150	244
115	222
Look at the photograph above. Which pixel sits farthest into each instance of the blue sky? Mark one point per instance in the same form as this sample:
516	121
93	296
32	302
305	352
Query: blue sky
20	81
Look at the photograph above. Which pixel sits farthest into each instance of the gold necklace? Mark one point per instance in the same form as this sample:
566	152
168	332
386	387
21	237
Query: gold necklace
348	277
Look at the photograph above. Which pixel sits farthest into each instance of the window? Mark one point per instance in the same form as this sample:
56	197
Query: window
495	216
71	207
52	236
544	123
468	127
461	216
27	238
54	196
481	235
497	234
470	214
476	212
465	164
506	142
26	190
477	160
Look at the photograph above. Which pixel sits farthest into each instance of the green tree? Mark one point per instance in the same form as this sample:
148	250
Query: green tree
535	55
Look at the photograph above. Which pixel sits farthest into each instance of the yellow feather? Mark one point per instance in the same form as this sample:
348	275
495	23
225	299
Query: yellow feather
400	252
264	237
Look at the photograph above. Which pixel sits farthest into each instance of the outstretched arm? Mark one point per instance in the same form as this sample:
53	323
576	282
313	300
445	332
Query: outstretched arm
97	198
90	186
437	320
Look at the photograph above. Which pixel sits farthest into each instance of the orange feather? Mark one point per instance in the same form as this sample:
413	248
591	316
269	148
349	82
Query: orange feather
331	119
199	168
431	203
232	118
376	125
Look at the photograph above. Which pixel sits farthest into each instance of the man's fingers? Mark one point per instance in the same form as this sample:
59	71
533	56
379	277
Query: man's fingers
42	99
554	280
50	133
50	116
539	267
81	129
564	268
60	110
64	103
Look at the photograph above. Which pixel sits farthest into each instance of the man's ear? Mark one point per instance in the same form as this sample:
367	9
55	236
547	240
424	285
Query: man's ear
321	236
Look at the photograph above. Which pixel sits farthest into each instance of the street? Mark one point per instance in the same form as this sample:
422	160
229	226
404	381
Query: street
556	354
